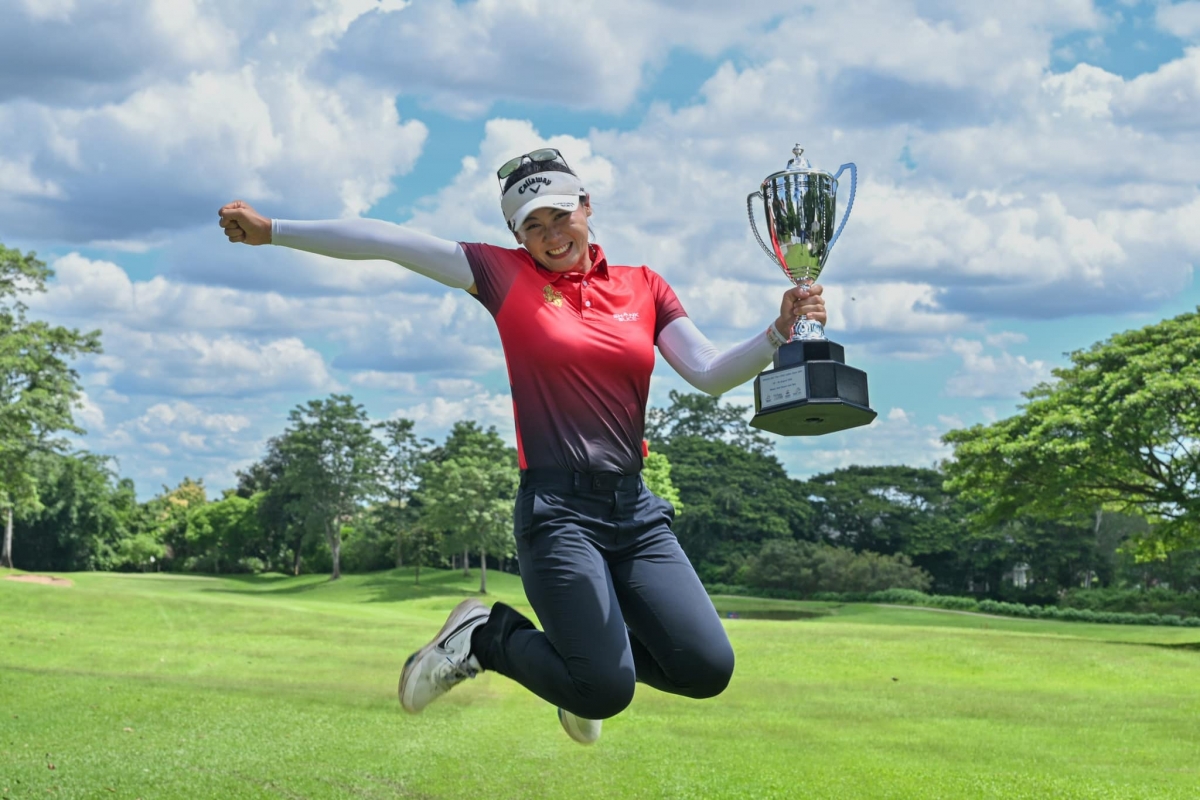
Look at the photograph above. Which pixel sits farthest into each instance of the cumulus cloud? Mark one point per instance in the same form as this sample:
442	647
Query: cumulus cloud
487	409
392	381
161	157
89	414
590	54
892	438
992	187
1164	101
166	440
1179	19
985	375
191	364
63	52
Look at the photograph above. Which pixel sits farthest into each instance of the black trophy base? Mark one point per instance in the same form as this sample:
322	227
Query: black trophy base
811	391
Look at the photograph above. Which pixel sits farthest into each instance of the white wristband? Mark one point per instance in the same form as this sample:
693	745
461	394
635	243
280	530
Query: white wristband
775	337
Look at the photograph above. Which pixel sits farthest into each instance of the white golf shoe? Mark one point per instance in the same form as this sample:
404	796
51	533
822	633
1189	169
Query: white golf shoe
584	731
446	661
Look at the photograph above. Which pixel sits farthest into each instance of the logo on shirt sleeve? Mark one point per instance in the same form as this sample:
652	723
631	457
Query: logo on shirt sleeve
551	296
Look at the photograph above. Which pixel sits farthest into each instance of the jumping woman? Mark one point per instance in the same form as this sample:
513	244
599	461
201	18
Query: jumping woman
616	596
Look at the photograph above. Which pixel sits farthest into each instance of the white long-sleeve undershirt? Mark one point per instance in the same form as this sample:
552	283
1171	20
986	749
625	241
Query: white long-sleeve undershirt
362	239
685	348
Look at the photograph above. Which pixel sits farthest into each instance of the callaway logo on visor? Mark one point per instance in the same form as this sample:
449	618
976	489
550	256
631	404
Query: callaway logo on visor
533	184
549	189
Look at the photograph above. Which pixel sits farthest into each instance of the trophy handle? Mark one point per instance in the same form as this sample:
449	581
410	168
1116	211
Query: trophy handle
849	203
754	227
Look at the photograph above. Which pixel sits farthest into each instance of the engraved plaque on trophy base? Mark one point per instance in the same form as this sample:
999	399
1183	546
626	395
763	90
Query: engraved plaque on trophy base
811	391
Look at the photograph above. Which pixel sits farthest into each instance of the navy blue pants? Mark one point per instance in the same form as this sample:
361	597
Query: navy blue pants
617	598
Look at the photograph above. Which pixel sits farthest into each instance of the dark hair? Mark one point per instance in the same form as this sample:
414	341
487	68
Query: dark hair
533	167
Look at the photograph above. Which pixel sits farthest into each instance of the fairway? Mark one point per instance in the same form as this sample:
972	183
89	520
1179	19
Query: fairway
156	686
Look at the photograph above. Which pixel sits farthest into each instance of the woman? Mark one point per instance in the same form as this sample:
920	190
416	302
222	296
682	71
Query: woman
617	598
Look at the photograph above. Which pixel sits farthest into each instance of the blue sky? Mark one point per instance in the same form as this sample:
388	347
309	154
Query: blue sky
1028	186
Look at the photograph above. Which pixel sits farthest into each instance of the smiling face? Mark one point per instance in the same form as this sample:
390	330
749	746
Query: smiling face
557	239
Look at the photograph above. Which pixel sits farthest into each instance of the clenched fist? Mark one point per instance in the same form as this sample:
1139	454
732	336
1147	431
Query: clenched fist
797	301
243	224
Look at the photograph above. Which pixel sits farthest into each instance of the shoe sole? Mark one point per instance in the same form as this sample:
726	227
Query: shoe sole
455	619
574	732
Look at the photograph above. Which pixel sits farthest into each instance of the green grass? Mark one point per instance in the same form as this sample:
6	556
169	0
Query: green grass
149	686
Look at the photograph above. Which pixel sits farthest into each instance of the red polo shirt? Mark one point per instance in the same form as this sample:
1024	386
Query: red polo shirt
580	349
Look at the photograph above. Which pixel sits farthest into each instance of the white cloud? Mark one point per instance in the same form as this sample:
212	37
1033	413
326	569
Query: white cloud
1179	19
172	438
590	54
887	309
171	417
1164	101
90	415
43	10
67	53
169	154
487	409
892	439
992	376
393	381
992	187
17	178
190	364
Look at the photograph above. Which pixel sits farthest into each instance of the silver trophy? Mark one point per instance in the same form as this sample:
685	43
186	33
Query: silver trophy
811	391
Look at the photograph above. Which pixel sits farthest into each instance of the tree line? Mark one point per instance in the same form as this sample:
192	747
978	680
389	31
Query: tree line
1095	482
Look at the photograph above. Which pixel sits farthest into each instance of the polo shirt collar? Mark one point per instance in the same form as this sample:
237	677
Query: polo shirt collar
599	267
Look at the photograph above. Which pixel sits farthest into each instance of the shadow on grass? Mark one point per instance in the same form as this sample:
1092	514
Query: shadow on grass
398	585
392	586
776	614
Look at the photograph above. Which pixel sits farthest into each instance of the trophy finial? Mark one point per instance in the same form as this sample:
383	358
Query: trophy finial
797	158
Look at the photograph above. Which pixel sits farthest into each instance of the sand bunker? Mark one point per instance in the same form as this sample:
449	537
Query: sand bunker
46	579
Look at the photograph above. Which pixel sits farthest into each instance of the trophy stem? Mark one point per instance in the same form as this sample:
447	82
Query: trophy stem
805	329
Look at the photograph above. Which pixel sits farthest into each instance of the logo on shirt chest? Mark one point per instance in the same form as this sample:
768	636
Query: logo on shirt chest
629	316
551	296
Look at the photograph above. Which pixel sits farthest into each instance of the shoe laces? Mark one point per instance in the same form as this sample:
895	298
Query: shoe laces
451	672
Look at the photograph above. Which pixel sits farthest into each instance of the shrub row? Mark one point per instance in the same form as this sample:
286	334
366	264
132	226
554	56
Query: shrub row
911	597
1084	615
1156	600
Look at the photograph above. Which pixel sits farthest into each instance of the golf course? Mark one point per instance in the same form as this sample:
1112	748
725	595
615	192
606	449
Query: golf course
169	686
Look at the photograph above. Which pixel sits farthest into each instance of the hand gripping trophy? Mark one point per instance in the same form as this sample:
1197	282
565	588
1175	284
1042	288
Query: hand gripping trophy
811	390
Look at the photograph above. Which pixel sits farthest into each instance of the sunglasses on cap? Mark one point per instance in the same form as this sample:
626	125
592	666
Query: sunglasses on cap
544	154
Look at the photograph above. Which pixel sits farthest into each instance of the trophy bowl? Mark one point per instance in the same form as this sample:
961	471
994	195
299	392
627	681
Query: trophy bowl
811	391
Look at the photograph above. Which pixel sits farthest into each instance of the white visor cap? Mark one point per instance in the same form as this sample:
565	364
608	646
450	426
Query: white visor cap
550	189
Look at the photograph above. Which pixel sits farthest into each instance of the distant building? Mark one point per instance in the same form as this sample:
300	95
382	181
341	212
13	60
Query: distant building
1019	575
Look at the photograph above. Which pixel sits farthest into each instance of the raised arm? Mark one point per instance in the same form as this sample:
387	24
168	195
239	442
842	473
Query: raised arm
697	360
358	239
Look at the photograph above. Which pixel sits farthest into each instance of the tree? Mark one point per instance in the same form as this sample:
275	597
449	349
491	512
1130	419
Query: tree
1118	430
892	509
278	508
656	472
38	387
84	513
333	464
467	492
809	567
405	455
170	515
701	415
225	533
734	500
